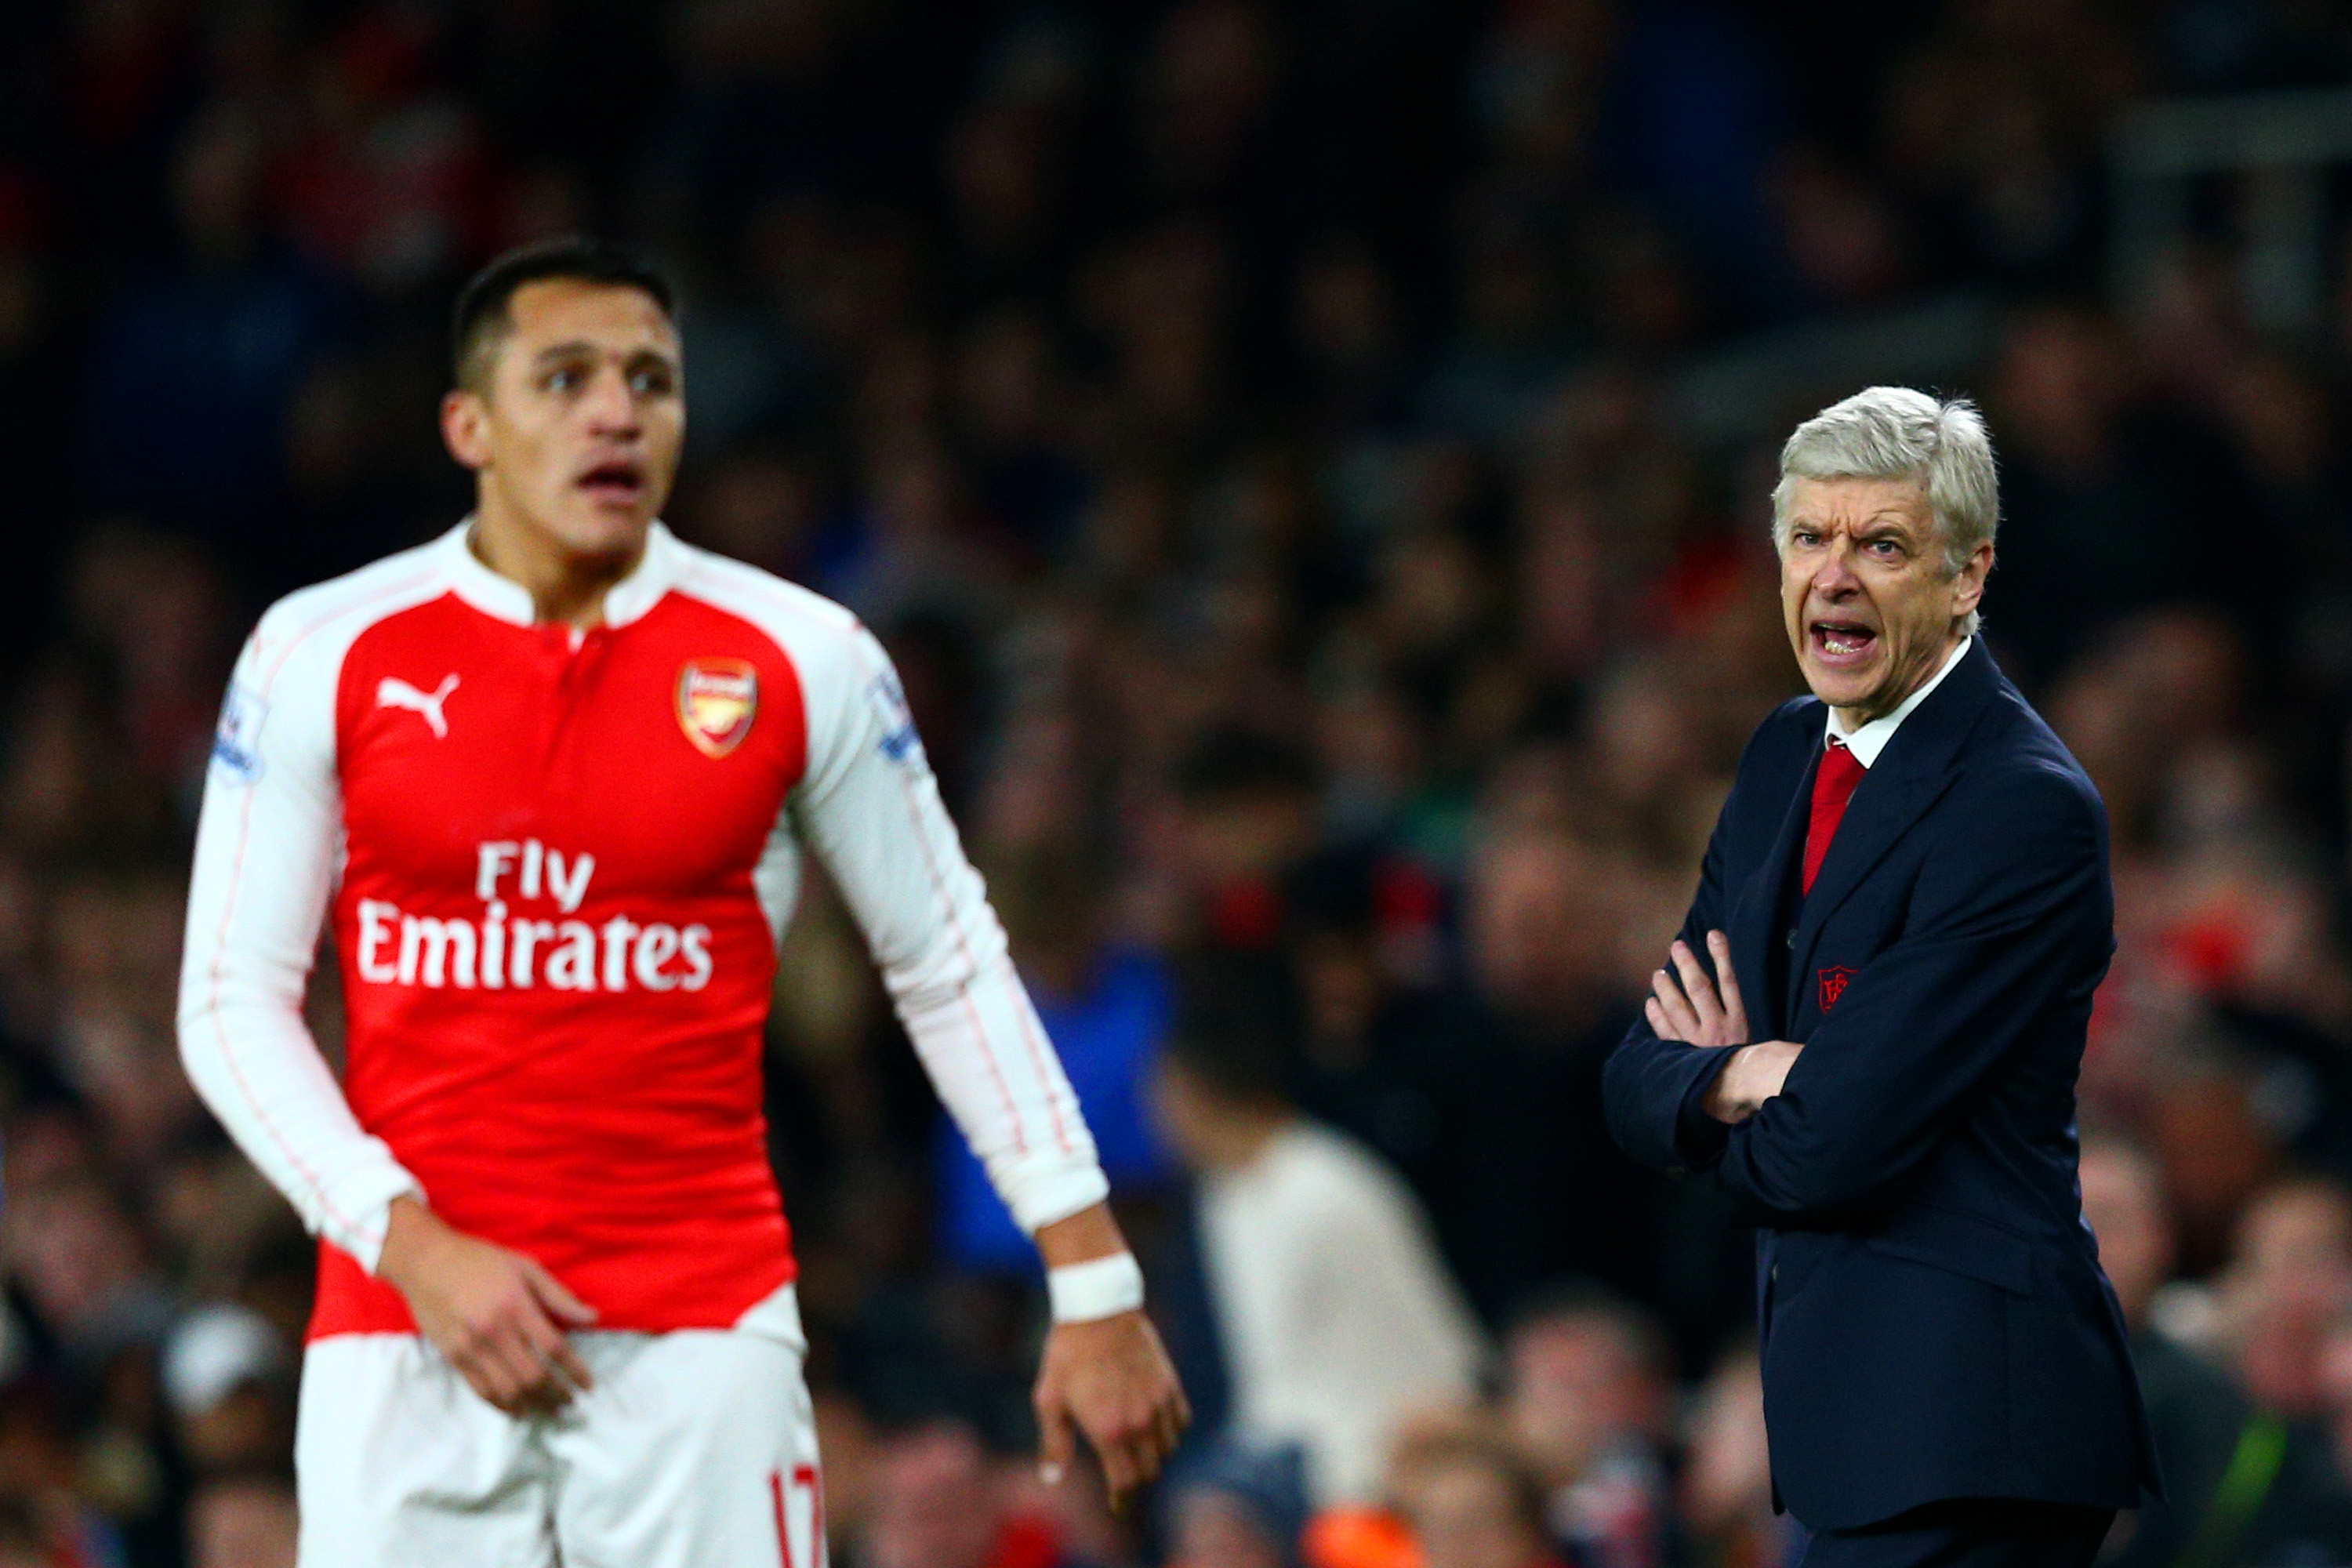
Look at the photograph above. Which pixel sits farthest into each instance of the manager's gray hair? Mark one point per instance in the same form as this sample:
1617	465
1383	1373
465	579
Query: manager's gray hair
1896	433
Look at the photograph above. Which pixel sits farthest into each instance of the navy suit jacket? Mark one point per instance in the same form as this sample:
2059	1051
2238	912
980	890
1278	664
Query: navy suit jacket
1933	1320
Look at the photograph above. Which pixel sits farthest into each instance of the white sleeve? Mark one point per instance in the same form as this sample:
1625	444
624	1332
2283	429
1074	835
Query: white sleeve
870	808
267	843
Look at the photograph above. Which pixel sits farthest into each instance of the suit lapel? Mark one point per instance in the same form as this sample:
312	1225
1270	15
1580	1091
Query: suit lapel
1914	770
1755	911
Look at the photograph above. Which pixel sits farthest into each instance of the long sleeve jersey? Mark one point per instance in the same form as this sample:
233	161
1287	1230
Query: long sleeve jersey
558	864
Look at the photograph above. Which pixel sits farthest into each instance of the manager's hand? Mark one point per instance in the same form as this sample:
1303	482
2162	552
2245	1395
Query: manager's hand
498	1316
1685	1004
1752	1075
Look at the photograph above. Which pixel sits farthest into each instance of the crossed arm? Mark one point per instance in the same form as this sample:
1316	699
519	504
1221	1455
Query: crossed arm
1685	1006
2006	934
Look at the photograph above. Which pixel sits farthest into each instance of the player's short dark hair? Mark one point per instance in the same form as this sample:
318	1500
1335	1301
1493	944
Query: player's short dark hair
481	316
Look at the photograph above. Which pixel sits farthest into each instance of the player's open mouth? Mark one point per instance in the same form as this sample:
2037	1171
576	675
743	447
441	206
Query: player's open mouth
616	481
1843	645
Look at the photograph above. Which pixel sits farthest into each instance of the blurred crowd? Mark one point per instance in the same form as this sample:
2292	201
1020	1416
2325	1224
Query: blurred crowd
1266	435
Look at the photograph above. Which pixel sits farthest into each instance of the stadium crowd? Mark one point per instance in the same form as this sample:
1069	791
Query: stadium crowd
1310	463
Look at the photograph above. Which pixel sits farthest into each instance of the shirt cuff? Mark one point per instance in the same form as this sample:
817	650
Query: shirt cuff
1040	1195
366	1214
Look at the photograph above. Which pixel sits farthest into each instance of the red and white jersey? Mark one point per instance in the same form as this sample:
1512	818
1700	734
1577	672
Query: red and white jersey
558	864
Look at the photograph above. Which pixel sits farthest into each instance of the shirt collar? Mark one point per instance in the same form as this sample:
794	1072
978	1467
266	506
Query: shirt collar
657	571
1866	743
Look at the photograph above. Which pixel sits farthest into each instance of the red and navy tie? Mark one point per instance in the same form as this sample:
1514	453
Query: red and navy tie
1833	783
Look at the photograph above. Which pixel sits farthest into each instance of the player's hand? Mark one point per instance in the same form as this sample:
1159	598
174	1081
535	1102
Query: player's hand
1751	1076
1685	1004
498	1316
1113	1381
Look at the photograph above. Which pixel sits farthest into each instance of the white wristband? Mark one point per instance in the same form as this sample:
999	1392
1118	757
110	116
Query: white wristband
1087	1292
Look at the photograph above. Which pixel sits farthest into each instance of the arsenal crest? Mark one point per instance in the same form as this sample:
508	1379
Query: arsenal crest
1833	984
717	700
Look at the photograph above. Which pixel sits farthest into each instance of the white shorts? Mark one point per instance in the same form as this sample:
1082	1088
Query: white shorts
695	1449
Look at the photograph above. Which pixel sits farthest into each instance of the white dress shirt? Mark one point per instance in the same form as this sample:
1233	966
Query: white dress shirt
1866	743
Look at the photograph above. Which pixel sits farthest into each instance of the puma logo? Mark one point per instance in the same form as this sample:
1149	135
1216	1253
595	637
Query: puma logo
394	692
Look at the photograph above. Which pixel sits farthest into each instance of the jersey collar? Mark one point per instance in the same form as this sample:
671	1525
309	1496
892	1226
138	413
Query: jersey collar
656	574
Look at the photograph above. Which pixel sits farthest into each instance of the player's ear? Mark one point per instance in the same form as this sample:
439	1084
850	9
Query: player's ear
465	427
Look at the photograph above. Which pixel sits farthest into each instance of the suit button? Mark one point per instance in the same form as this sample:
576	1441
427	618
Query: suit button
1776	1271
1792	939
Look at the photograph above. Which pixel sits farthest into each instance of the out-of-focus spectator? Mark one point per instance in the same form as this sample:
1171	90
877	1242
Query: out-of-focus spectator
23	1543
1587	1394
2335	1379
851	1450
242	1522
1476	1503
2086	455
1248	800
2290	1276
84	1268
2123	1205
938	1502
225	1374
2243	1485
1727	1483
1335	1309
2198	1416
40	1490
1538	930
1411	1069
192	372
1237	1508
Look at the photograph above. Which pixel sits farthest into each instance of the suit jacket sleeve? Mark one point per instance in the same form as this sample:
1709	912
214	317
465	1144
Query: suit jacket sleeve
2009	927
1652	1088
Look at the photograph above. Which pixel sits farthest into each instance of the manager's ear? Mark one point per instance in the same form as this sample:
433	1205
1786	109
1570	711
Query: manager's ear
1968	582
465	428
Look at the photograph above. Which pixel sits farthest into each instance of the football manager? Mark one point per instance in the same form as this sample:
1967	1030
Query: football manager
1868	1032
